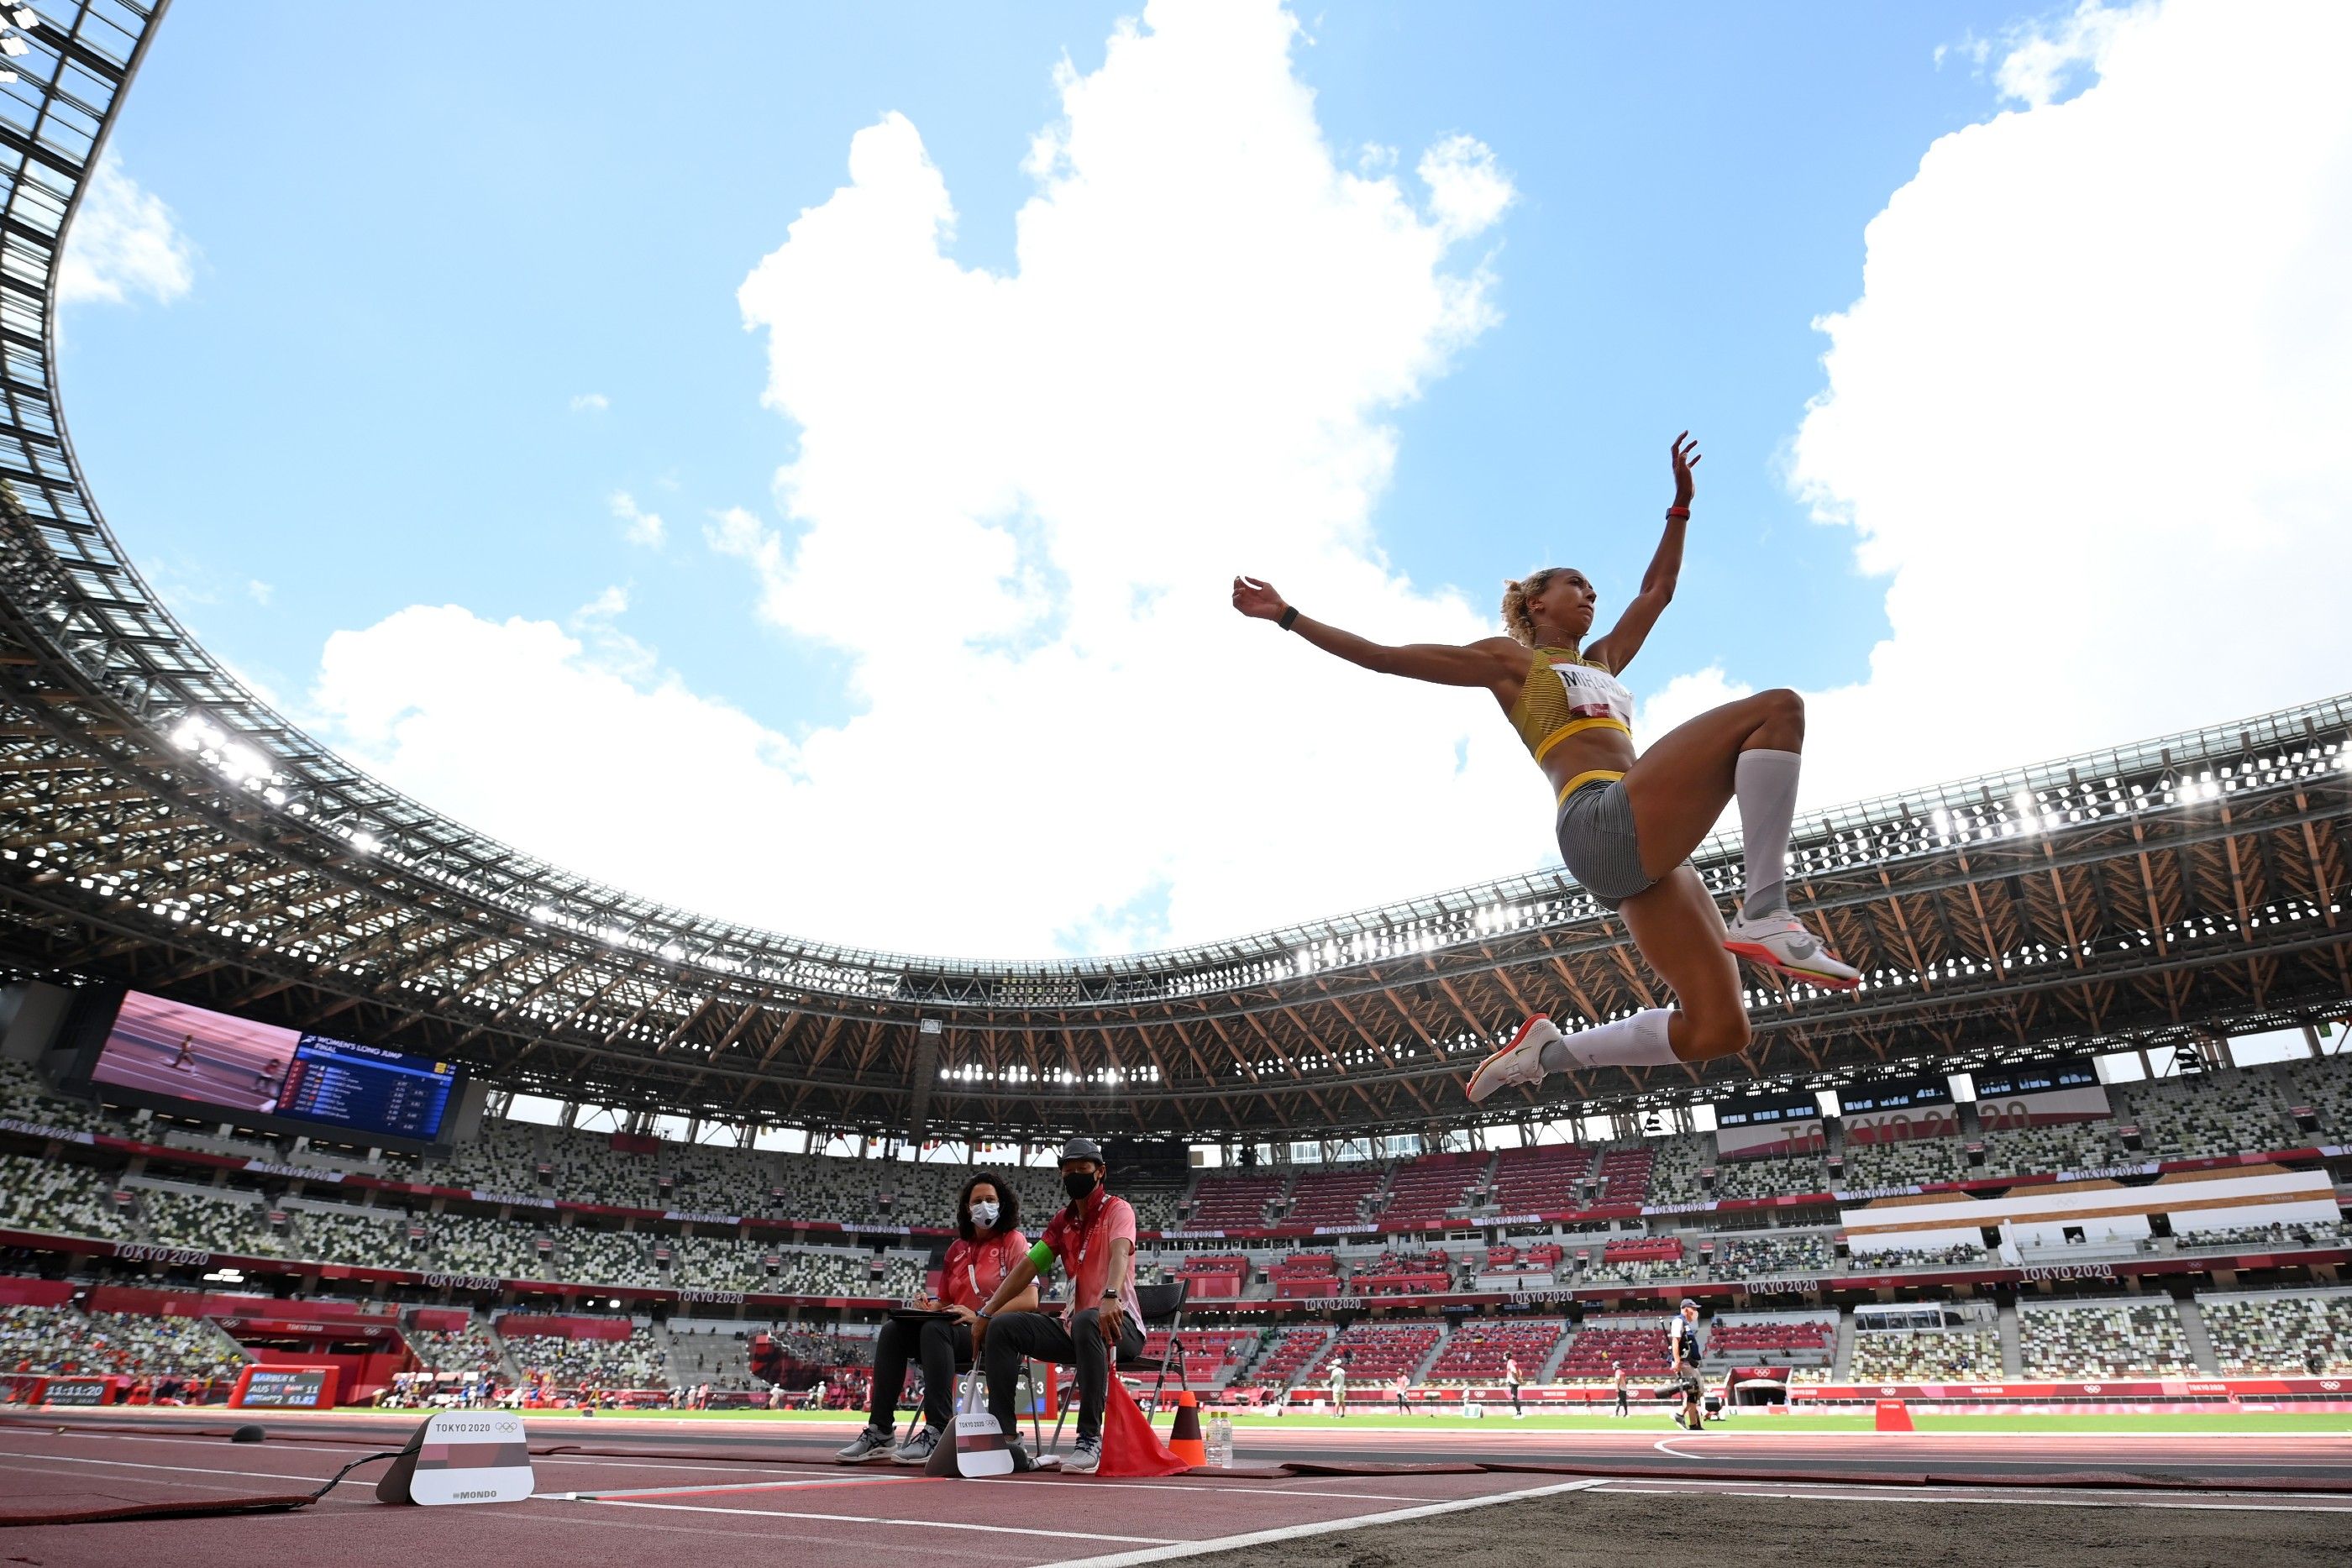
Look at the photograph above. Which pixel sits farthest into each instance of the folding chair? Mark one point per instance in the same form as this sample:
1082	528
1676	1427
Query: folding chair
1159	1304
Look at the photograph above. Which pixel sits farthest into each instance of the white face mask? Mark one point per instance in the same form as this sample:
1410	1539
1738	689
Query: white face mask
984	1215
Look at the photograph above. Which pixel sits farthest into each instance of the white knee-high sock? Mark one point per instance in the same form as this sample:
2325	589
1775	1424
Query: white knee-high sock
1765	783
1637	1041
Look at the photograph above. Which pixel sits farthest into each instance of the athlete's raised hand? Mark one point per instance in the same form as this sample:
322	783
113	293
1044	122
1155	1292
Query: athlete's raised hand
1686	455
1257	600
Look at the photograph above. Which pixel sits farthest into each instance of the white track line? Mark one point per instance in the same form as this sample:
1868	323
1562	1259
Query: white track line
1255	1492
1325	1527
893	1523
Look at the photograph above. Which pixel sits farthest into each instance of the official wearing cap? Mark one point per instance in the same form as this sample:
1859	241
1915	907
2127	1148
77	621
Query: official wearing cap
1093	1240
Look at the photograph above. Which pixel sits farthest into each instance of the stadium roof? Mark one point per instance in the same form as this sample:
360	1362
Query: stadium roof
161	827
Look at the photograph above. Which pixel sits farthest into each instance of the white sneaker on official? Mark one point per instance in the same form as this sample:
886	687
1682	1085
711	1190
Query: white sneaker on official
1521	1062
920	1445
871	1444
1779	941
1085	1459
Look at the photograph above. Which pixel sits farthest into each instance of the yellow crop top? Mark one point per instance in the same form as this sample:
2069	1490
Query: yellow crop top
1564	697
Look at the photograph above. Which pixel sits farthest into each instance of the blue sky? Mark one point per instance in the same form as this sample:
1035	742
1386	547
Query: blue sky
452	291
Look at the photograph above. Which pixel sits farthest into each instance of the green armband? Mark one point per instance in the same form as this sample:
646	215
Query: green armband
1041	1258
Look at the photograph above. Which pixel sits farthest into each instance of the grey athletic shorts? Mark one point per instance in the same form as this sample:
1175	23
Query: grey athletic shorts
1596	839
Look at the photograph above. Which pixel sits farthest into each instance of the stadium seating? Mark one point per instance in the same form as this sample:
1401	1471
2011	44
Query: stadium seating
2100	1340
1477	1351
1773	1256
1539	1180
1292	1351
1625	1174
1925	1355
1210	1355
2302	1333
473	1348
1638	1343
60	1198
1375	1352
1771	1176
1226	1202
1958	1253
1422	1191
1904	1161
1333	1198
66	1340
571	1364
1403	1273
1773	1341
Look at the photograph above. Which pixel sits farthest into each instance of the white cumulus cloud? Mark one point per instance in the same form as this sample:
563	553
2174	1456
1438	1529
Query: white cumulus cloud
590	403
124	245
2089	414
1015	505
639	526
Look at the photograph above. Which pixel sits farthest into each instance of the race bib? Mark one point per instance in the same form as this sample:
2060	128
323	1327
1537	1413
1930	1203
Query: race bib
1594	693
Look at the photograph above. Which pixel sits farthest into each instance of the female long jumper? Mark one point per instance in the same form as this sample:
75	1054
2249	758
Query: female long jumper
1627	824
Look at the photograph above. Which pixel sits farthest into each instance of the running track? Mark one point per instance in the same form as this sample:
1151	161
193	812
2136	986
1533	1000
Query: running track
731	1492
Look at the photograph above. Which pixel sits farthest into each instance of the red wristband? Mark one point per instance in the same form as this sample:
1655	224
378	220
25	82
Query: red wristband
1678	513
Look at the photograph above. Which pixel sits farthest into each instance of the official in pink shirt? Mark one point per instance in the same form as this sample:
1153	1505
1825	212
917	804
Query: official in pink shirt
988	1245
1093	1240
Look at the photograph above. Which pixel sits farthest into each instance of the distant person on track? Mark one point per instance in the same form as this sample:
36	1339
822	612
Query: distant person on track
1337	1378
988	1245
1094	1240
184	1060
1511	1380
1400	1385
1681	1342
1626	825
1625	1406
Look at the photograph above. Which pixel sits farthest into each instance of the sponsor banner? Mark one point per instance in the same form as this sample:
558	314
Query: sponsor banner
300	1173
2038	1272
1897	1126
686	1217
2122	1388
514	1199
302	1328
2110	1173
1789	1286
1864	1194
43	1130
462	1456
150	1252
462	1282
718	1298
1701	1205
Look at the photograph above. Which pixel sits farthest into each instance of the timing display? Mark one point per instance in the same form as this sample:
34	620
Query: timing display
2076	1072
366	1088
159	1046
297	1388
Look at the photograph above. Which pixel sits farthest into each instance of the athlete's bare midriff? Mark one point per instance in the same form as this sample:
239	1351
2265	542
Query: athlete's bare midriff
1598	750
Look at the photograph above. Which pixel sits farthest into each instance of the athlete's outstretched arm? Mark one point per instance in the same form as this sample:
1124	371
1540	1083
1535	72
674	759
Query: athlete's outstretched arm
1495	662
1633	629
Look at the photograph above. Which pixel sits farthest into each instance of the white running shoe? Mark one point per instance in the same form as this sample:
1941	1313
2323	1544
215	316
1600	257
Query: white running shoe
1779	941
1521	1062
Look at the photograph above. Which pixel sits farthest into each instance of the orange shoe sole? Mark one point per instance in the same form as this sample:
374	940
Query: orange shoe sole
1756	952
1511	1046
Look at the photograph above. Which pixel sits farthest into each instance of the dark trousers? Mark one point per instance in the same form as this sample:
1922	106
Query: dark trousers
941	1347
1040	1338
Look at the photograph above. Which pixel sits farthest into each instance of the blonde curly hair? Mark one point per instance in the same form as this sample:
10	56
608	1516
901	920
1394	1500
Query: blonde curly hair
1516	619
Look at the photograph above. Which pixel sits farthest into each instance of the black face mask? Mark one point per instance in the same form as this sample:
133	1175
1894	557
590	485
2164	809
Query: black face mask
1079	1185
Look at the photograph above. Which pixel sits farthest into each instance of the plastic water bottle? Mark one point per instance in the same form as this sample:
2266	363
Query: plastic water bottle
1221	1441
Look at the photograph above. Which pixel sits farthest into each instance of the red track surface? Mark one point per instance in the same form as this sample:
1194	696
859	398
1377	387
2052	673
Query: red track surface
670	1487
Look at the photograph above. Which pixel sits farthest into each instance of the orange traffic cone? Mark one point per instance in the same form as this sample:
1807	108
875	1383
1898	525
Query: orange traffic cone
1184	1436
1893	1416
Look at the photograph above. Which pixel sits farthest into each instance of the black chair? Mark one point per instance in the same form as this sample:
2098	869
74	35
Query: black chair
1161	1306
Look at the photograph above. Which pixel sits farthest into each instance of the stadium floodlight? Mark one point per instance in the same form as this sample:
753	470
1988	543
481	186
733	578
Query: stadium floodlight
7	79
24	17
12	45
366	843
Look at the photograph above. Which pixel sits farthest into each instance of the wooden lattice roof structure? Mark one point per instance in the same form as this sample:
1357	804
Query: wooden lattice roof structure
160	827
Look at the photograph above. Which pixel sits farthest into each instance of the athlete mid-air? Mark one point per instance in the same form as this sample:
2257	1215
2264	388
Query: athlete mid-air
1627	824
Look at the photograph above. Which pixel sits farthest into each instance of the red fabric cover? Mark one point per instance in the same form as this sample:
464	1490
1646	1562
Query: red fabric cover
1130	1447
